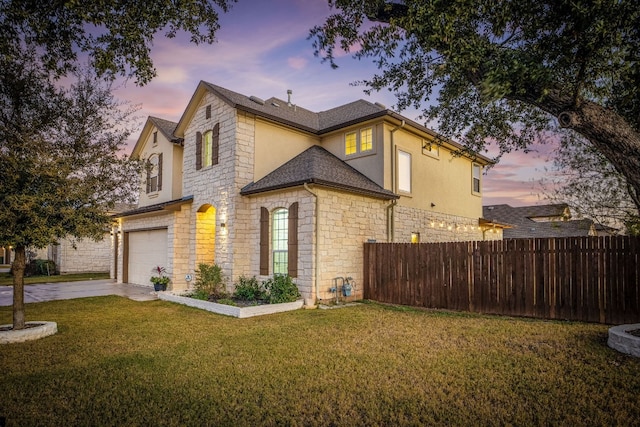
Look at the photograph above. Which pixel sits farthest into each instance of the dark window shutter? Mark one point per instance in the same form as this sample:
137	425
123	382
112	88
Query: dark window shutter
293	241
264	241
198	151
208	112
215	145
159	171
148	168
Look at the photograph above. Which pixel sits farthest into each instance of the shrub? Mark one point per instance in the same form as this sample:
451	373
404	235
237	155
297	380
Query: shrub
281	289
249	289
40	267
210	281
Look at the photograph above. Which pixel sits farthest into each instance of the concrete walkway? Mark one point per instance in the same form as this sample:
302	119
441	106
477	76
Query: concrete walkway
83	289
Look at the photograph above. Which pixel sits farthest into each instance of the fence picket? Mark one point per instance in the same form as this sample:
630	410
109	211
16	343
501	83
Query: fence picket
594	279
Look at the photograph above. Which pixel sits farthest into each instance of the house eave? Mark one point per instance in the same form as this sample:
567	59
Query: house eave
172	205
321	183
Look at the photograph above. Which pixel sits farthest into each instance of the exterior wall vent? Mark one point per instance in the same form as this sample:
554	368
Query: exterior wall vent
380	105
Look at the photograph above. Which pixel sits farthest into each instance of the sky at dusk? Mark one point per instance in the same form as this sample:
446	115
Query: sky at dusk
262	50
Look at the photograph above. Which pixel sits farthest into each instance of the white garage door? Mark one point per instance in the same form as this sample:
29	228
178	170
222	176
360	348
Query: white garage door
147	249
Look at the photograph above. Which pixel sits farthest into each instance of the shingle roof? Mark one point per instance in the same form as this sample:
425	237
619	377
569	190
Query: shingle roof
317	166
525	227
155	208
166	127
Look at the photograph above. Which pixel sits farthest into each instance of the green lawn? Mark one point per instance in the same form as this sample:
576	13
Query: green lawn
6	279
120	362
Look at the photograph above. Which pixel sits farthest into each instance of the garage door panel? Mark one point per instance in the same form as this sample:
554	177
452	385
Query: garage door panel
147	250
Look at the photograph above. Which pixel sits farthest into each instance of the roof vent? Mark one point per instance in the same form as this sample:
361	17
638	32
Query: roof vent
275	104
289	93
490	208
380	105
256	100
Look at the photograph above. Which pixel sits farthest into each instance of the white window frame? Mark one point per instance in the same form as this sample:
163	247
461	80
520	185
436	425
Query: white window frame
476	167
405	178
280	241
153	173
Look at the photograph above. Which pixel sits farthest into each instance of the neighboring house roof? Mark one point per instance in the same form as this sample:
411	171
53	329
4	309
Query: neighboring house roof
525	226
317	166
166	127
292	115
155	208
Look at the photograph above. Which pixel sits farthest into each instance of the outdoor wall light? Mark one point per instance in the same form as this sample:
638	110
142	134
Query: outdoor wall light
223	224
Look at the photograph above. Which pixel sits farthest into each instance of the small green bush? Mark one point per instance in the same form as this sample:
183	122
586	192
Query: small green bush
281	289
210	281
249	289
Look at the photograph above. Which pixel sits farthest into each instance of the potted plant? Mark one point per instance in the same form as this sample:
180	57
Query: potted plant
160	280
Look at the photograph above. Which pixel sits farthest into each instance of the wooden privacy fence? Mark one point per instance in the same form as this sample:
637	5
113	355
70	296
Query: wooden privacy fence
592	279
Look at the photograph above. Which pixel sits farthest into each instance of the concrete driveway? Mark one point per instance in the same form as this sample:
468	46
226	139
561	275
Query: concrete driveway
83	289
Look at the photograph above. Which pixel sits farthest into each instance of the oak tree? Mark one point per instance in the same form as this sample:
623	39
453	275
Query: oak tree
61	161
505	71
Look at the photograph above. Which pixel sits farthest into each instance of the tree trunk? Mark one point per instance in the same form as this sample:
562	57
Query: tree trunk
19	264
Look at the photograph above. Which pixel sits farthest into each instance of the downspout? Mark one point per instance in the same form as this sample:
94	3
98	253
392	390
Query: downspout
317	244
390	216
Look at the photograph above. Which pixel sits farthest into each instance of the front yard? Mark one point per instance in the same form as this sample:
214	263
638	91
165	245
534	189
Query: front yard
120	362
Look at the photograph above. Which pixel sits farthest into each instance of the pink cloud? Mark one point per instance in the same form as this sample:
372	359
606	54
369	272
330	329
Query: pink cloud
297	62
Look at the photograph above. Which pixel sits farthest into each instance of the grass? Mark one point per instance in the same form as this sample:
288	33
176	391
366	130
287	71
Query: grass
6	279
120	362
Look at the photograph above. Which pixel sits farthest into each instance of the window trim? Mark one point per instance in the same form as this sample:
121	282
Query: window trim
279	240
473	179
358	143
154	187
431	149
399	153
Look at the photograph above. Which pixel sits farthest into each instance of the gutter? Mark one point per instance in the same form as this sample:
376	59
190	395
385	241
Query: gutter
390	216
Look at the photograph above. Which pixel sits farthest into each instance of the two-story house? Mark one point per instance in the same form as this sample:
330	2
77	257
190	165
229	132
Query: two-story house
265	186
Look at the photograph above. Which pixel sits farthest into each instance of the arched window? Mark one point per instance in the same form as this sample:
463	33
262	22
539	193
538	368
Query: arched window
280	241
154	173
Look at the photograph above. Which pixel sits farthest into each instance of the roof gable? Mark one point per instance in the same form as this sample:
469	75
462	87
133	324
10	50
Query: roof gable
165	127
294	116
317	166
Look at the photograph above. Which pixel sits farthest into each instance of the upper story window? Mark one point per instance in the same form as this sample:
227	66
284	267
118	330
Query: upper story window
207	147
155	138
476	170
430	149
207	113
404	171
154	173
358	142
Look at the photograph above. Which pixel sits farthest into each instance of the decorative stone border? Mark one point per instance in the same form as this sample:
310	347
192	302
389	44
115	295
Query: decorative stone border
43	329
624	342
229	310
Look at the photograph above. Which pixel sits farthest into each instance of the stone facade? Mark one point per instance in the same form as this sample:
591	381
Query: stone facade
434	226
87	256
219	225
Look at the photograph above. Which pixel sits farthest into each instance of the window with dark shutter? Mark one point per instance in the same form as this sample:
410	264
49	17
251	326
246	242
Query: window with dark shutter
147	166
198	151
215	144
293	241
264	241
208	112
159	171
